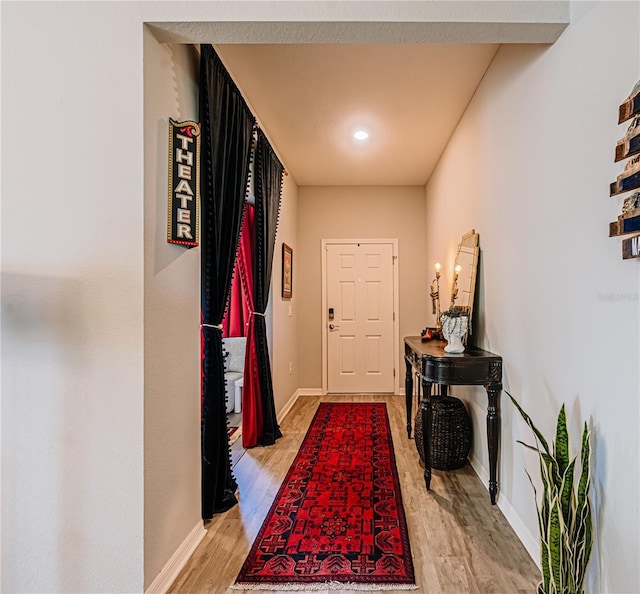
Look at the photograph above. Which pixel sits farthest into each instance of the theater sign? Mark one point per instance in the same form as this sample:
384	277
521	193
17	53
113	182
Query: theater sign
184	183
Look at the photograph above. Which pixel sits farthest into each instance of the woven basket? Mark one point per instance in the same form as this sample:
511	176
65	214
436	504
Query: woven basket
451	433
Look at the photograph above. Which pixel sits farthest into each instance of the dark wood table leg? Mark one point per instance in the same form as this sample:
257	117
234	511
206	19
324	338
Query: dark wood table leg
408	393
493	437
425	406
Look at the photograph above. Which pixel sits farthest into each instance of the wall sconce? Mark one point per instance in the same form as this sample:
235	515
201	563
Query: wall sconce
435	294
454	286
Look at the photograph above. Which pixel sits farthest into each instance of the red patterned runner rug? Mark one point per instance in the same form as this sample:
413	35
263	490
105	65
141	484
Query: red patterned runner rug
337	521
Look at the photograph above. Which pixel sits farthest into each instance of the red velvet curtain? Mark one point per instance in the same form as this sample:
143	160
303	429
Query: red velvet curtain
251	404
236	319
259	424
239	322
251	396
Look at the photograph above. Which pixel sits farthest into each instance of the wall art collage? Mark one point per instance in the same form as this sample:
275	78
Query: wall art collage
628	147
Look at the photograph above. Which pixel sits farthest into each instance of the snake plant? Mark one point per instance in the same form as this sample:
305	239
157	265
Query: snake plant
564	515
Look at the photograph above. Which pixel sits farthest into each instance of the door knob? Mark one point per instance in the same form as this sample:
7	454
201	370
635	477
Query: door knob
333	327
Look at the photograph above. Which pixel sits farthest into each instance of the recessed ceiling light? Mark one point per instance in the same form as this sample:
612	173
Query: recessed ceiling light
360	135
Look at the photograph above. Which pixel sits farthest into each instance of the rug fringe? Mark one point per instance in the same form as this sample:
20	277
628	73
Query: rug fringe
322	586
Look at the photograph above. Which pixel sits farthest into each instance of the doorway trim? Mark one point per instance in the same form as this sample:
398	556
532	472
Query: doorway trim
396	316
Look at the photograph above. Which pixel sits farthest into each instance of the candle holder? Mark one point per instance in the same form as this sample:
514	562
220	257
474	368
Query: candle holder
435	295
454	286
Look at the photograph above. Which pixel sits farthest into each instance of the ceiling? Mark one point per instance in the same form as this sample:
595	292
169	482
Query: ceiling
310	98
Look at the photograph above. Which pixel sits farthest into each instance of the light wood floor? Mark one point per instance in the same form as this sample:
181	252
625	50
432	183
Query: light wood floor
460	542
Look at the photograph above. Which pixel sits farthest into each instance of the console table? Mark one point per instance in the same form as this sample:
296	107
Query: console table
473	367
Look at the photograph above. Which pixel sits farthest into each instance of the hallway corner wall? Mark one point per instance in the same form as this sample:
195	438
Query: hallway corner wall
529	168
171	322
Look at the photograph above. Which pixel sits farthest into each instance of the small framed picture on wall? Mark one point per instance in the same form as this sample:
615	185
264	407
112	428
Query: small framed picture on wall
287	271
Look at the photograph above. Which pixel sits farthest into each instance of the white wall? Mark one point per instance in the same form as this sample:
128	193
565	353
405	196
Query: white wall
83	266
72	299
171	320
285	346
529	167
358	213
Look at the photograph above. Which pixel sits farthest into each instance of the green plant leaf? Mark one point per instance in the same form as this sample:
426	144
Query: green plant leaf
561	444
554	531
566	493
583	553
547	486
544	564
554	472
526	445
541	522
529	422
584	522
585	475
564	517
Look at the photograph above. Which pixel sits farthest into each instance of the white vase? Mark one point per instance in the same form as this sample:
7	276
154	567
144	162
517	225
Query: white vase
453	329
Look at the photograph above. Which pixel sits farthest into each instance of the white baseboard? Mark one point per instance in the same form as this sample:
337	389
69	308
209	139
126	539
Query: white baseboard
529	541
310	392
178	560
288	406
299	392
480	470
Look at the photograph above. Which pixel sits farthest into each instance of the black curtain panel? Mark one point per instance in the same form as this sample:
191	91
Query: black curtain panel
227	125
268	188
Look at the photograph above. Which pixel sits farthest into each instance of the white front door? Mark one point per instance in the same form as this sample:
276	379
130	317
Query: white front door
359	291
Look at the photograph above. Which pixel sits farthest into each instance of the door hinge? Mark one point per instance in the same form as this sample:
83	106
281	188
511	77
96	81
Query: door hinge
394	316
394	372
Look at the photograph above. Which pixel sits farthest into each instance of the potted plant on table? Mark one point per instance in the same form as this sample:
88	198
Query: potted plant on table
564	516
455	323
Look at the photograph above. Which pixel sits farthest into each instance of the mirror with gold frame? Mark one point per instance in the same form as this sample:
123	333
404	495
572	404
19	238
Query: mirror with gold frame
464	278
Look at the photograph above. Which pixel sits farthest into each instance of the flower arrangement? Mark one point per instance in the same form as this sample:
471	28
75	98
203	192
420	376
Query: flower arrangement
455	323
455	311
